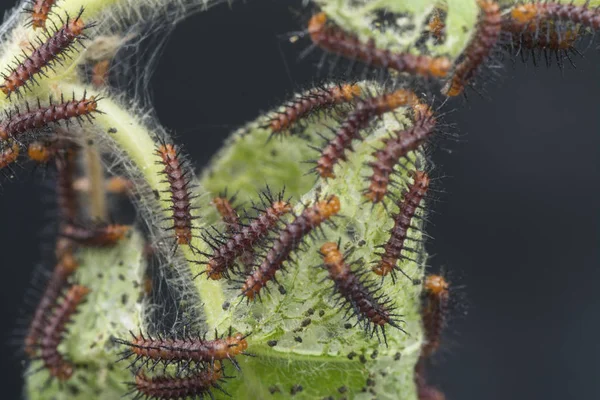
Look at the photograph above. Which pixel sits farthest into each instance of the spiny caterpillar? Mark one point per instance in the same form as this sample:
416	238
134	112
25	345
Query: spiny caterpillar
223	257
402	223
184	351
356	120
54	330
396	147
436	24
373	309
44	56
435	309
479	48
65	266
537	11
196	385
18	123
40	11
315	100
335	40
97	235
290	237
66	198
179	188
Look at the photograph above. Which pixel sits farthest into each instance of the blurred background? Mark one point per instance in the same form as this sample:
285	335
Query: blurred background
517	228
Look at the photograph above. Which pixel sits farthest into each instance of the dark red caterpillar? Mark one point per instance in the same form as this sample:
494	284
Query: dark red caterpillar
19	123
223	257
358	119
64	268
402	223
54	330
315	100
9	154
40	11
290	237
538	11
66	197
196	386
396	147
96	235
179	188
335	40
484	39
54	48
435	309
199	350
373	309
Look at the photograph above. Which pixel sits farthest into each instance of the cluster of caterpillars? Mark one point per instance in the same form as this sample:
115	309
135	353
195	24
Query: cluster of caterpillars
192	366
253	249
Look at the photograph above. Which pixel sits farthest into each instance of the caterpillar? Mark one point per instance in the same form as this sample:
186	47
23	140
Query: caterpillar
396	147
187	350
54	330
54	48
484	39
356	120
402	223
227	211
436	25
64	268
373	309
9	154
197	385
547	37
288	240
101	235
245	240
40	11
18	123
435	308
315	100
179	188
537	11
41	152
333	39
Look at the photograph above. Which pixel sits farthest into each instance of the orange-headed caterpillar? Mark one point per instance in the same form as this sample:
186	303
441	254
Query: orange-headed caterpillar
100	235
317	99
184	351
408	205
197	385
333	39
356	120
537	11
100	73
244	241
9	153
484	39
372	308
40	10
44	56
54	330
36	118
435	309
179	188
228	212
396	147
288	240
65	266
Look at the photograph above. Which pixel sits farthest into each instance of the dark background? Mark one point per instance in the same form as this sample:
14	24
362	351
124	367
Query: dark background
517	227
